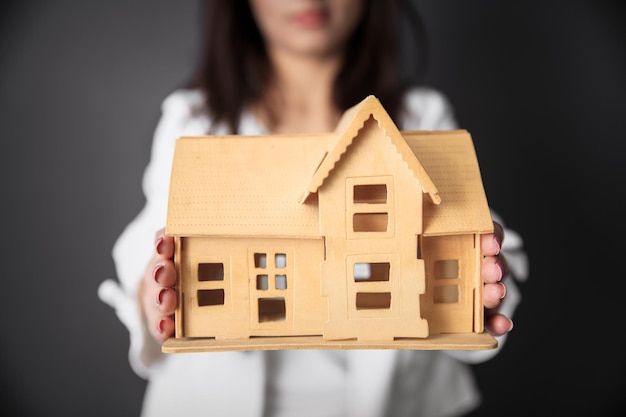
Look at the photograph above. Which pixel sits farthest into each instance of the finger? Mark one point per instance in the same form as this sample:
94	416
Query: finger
152	315
164	328
165	300
490	244
157	297
493	294
498	324
492	270
159	305
164	245
164	273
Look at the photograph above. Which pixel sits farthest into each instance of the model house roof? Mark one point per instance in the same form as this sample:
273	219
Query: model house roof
348	129
450	159
262	185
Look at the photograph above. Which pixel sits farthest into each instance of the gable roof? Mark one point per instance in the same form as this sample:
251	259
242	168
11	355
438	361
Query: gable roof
348	129
450	159
244	185
253	185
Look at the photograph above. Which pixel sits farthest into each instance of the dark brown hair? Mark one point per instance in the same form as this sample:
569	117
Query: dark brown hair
234	69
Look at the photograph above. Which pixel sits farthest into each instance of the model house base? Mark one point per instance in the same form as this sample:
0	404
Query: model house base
473	341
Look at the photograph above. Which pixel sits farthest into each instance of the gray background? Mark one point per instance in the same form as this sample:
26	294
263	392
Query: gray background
539	84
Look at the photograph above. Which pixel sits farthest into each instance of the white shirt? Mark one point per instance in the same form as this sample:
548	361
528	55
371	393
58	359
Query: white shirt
318	383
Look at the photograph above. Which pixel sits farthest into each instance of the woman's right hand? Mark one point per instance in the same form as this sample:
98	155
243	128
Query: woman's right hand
157	297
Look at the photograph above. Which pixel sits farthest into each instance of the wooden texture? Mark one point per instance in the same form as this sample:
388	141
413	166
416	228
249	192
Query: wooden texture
366	237
473	341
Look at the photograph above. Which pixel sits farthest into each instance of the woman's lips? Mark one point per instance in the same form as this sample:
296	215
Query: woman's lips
310	19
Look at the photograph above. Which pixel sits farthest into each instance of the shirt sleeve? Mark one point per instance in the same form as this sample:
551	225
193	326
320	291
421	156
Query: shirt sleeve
428	109
135	246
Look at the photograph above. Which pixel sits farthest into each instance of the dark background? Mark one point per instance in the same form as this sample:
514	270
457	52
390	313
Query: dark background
540	84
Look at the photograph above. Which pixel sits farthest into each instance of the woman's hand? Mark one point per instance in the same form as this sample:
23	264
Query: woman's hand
157	297
494	268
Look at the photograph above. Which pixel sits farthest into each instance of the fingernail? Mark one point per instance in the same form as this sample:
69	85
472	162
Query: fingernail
504	292
496	239
511	326
158	244
501	269
160	326
159	298
156	272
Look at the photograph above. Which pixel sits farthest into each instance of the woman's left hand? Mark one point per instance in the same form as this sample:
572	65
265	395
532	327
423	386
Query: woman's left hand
494	269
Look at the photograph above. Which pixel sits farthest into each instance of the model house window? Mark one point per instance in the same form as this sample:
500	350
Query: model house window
446	269
370	222
446	294
272	275
211	275
260	260
377	295
370	193
446	287
373	300
262	282
211	272
272	309
210	297
369	206
370	196
370	272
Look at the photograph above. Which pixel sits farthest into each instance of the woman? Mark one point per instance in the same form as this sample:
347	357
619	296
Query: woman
272	66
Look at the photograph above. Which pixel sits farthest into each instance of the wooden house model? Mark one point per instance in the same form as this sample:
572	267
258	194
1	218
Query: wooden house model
366	237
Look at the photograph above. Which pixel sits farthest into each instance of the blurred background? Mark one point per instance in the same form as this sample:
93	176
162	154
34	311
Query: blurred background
540	85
